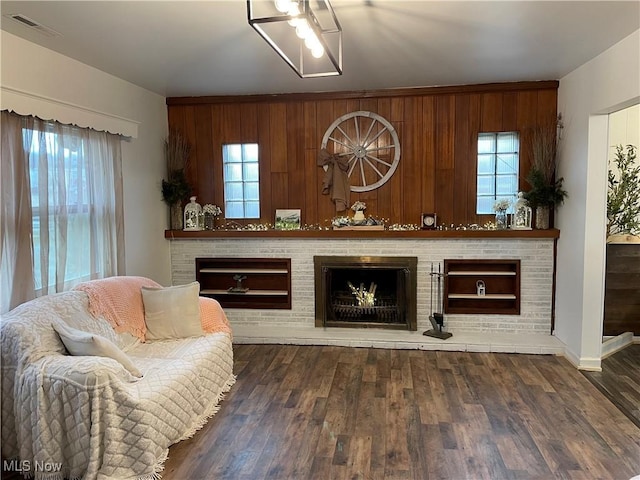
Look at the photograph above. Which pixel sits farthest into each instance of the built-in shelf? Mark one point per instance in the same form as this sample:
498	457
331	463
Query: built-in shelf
485	273
500	280
248	293
265	271
266	282
486	296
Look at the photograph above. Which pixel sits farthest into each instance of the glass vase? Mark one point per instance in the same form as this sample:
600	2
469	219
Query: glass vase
209	221
501	220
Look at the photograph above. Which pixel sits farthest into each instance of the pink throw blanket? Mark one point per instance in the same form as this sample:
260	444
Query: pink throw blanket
119	301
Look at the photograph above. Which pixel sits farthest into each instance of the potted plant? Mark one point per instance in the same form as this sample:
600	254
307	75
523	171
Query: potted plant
546	190
623	197
176	188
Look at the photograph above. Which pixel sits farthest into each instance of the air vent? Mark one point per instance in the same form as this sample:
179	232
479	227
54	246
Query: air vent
29	22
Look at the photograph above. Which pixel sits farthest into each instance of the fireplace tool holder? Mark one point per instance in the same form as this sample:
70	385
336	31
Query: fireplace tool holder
436	317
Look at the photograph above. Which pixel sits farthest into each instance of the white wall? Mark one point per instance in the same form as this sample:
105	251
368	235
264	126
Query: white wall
624	128
27	67
586	96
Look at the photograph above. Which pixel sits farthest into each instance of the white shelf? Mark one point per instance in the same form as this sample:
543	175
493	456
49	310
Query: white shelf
242	270
488	296
247	293
467	273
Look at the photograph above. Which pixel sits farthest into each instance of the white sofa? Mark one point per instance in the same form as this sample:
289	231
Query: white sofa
88	417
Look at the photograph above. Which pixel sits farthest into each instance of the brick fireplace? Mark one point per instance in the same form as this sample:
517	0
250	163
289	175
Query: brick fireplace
297	325
365	292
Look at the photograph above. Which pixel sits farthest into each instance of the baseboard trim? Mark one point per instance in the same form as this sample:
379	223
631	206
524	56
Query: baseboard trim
615	344
361	337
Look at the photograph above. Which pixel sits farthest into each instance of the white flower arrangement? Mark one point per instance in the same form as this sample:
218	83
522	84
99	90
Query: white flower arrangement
359	206
212	209
502	205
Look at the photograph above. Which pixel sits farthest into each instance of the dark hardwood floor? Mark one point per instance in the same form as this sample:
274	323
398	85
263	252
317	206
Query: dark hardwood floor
619	381
305	412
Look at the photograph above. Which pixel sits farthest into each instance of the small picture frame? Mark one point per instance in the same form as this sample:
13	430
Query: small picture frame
287	219
428	221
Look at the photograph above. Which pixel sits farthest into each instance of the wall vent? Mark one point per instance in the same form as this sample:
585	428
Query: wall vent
29	22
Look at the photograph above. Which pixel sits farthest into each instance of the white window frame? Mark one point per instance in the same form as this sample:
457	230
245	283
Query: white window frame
495	175
243	182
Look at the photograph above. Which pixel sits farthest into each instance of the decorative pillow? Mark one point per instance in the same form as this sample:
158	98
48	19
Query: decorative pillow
79	343
172	312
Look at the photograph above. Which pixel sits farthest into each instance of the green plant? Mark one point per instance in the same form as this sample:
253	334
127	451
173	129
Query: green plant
546	190
623	195
176	187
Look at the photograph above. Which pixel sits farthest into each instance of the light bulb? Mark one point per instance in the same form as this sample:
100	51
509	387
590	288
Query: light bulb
311	40
303	30
317	51
283	6
293	11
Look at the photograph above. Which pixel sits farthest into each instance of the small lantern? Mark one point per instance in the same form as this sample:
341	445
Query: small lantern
522	214
193	217
480	288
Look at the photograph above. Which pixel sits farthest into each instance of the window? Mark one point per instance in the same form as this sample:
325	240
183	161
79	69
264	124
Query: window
64	221
241	180
498	161
65	159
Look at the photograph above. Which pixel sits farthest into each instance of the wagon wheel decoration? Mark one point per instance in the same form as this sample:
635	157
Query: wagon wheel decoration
372	145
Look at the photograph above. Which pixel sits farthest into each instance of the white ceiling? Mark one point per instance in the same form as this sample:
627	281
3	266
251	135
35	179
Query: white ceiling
184	48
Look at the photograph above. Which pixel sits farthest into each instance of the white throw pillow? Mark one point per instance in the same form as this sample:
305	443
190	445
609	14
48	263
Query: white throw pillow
79	343
172	312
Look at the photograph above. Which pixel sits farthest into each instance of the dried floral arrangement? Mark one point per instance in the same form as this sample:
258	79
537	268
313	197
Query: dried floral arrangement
176	188
359	206
546	189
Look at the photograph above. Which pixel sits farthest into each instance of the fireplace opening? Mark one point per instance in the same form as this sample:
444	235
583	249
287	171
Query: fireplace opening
366	292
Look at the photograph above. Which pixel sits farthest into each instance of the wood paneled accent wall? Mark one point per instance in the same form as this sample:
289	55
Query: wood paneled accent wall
438	129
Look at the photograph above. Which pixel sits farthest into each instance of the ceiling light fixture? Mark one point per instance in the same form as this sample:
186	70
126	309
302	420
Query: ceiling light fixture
305	33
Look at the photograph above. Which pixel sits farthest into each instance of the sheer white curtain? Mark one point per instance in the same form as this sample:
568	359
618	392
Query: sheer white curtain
62	215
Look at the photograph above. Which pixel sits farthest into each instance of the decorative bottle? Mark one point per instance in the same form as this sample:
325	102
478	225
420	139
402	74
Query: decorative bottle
193	217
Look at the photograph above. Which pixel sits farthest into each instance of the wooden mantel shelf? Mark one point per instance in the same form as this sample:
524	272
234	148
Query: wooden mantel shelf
381	234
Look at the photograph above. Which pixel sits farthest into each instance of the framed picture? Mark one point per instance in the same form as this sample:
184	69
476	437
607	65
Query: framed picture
288	219
428	221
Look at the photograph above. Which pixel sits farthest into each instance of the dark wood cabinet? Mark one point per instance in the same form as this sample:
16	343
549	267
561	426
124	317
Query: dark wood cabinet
246	282
499	287
622	289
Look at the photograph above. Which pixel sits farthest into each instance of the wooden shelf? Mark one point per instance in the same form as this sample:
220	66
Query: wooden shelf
248	293
268	281
488	296
243	271
485	273
551	233
502	286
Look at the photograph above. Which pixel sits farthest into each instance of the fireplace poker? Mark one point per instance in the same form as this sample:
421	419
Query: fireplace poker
437	318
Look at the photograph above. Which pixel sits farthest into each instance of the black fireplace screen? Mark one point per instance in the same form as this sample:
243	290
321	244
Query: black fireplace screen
366	292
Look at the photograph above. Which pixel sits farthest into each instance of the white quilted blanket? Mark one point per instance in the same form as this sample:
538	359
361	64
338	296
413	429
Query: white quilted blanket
87	417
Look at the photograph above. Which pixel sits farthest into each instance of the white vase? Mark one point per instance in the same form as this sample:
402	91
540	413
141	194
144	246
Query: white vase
359	216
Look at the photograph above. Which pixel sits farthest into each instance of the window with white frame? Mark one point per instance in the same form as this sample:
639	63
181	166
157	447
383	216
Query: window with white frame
241	180
65	165
498	165
63	220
